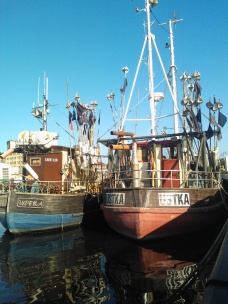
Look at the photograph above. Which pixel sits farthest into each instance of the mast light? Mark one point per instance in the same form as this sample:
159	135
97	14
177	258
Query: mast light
77	97
158	96
125	69
153	2
94	103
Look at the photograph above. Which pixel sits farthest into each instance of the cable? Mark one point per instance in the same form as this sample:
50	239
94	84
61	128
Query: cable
159	22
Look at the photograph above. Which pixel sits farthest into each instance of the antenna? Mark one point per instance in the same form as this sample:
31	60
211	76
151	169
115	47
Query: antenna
38	93
46	92
44	82
173	70
45	104
42	110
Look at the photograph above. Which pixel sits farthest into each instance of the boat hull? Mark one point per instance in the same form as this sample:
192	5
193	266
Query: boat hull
3	205
34	212
224	177
152	213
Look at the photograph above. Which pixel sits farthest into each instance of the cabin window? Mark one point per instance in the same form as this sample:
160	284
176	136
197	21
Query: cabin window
35	161
144	154
169	152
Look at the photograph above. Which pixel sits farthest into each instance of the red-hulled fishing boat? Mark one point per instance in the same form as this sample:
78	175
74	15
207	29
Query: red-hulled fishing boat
164	184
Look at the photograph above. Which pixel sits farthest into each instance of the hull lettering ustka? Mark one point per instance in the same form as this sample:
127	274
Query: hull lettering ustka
29	203
115	199
174	199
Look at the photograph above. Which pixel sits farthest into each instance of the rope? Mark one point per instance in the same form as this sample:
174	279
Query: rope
191	279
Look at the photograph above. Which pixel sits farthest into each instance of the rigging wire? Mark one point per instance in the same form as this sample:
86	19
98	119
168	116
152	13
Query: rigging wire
61	127
158	21
67	100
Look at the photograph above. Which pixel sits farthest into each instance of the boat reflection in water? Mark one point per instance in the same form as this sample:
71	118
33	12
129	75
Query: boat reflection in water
151	273
89	266
57	268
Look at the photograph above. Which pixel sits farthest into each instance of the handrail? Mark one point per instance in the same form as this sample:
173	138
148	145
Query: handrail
162	178
50	187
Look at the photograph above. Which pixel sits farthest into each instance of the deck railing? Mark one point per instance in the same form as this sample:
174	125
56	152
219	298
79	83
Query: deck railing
120	179
51	187
162	179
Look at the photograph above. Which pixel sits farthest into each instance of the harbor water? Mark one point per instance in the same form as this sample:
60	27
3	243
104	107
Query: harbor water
96	265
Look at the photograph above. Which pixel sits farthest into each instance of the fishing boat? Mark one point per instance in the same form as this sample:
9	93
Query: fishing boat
60	186
165	183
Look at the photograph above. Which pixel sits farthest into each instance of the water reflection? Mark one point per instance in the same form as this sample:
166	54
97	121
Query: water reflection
48	267
150	273
99	266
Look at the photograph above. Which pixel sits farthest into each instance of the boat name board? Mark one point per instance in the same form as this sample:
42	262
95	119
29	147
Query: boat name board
174	199
115	198
29	203
50	159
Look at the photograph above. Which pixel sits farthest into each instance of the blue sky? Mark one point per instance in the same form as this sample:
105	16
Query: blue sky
87	43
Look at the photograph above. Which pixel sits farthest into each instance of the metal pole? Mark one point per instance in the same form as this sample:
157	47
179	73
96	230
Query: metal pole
150	71
173	69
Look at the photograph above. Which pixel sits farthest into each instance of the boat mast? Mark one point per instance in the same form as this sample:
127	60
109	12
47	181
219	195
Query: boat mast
173	70
122	90
45	104
150	69
148	38
155	97
41	115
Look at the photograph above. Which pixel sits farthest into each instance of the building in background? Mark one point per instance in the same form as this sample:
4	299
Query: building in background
15	160
5	172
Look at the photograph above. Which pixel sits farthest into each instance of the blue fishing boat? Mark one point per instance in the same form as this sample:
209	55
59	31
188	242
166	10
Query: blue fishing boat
60	187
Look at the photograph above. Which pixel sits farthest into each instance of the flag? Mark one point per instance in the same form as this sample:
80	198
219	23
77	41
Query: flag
209	132
81	114
193	122
71	126
92	119
219	134
198	116
123	88
222	119
70	121
197	90
73	115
